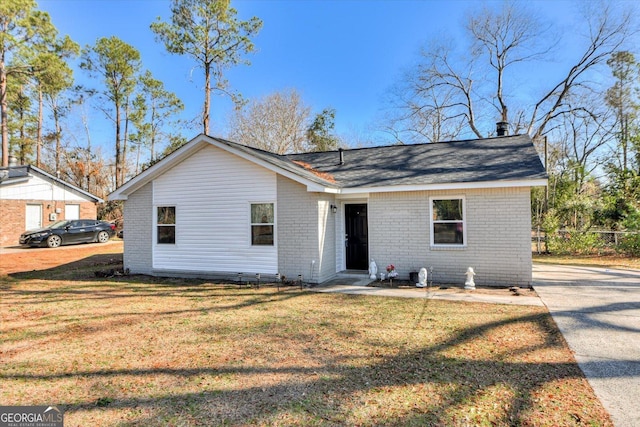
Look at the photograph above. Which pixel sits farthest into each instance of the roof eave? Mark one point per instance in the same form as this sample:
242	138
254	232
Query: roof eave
148	175
312	185
196	144
65	184
533	182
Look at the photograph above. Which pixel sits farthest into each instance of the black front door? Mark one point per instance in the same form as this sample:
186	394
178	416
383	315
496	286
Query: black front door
357	240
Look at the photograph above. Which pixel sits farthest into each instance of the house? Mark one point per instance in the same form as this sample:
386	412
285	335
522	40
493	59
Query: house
215	208
31	198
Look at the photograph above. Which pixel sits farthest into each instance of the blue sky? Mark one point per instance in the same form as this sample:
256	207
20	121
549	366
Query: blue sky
341	54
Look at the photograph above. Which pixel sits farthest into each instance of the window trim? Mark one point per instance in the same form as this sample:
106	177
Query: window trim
157	224
252	224
432	222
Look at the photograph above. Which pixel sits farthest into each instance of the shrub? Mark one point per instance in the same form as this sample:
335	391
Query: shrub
574	242
629	245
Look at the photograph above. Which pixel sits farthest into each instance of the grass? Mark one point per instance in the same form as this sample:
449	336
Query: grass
155	352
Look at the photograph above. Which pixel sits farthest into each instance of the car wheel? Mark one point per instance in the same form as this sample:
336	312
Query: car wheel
103	237
54	241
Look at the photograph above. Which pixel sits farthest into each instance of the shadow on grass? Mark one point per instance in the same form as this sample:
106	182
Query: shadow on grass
82	270
107	269
123	291
327	394
324	394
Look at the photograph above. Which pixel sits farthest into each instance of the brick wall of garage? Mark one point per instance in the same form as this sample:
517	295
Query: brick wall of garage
13	216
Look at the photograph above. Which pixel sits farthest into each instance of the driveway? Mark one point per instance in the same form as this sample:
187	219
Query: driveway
598	312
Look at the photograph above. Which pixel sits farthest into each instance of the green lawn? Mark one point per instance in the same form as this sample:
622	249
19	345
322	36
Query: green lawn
141	351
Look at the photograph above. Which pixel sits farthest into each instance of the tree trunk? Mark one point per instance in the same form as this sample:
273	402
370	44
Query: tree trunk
39	131
138	158
22	136
3	113
118	150
207	98
153	133
124	145
56	120
88	158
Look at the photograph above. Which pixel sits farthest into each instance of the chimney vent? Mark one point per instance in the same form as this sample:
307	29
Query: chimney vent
502	128
341	152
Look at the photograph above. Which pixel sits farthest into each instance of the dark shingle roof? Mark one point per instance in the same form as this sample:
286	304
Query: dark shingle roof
507	159
12	172
493	159
281	161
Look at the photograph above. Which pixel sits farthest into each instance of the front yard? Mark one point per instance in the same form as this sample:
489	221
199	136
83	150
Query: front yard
142	351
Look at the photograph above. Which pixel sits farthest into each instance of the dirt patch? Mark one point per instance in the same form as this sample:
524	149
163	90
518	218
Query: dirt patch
85	255
456	289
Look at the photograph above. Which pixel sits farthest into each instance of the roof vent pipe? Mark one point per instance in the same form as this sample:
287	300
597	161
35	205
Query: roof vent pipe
502	128
341	152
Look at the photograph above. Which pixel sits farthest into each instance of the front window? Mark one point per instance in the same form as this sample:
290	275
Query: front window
448	222
166	224
262	221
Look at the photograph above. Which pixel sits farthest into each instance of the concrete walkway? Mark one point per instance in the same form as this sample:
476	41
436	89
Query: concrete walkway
358	286
598	312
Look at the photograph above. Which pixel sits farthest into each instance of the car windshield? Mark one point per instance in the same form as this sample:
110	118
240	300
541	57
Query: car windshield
58	224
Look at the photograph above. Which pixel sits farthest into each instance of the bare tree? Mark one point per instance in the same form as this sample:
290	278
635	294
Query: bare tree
479	85
276	123
580	136
504	39
608	31
422	112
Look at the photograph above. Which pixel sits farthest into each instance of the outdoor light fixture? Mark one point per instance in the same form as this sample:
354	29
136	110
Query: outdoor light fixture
334	208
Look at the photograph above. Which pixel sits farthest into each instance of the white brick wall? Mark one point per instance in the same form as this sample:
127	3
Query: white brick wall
326	237
301	217
138	230
498	236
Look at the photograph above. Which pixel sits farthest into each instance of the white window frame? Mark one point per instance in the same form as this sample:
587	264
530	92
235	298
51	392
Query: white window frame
252	224
432	222
156	224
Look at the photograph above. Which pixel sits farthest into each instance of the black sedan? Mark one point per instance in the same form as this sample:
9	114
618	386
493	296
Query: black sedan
69	232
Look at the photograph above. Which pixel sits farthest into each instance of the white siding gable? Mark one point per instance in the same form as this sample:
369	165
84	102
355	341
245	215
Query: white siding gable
212	191
36	188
